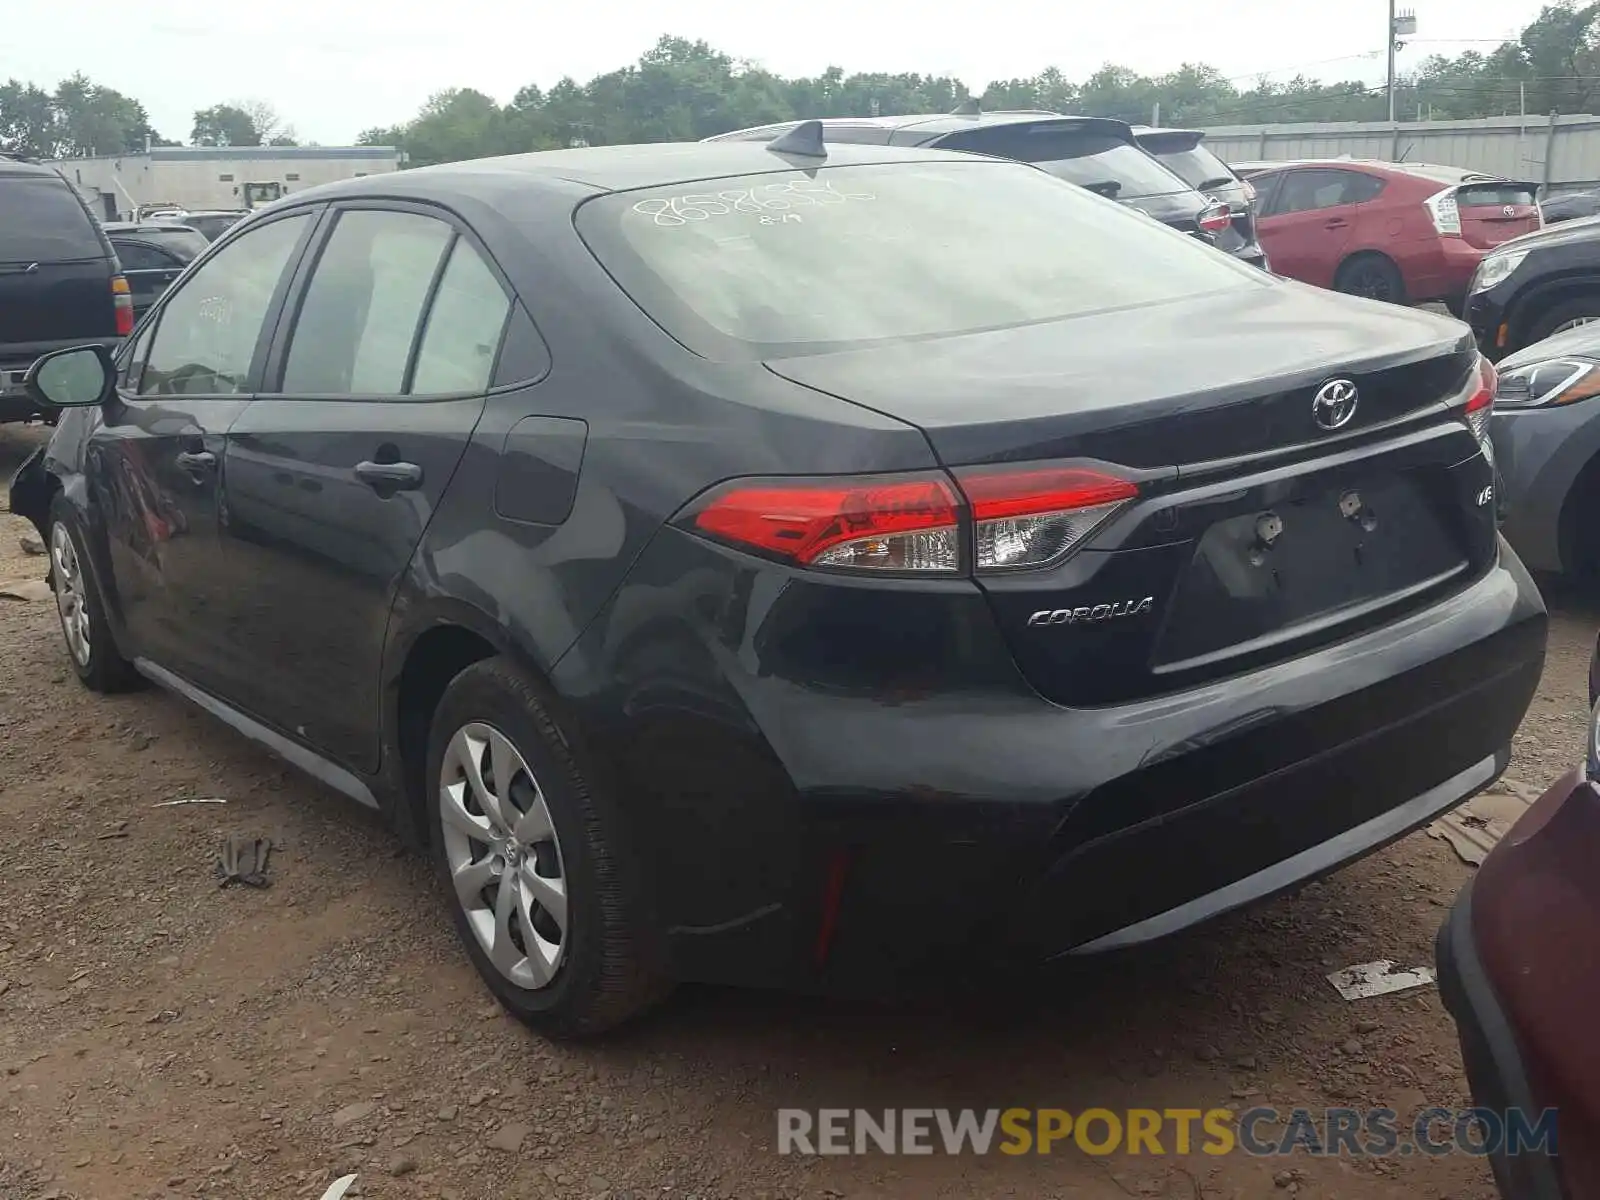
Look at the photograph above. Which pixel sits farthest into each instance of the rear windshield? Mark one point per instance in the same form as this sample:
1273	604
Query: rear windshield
1197	167
796	262
214	227
1481	195
42	220
1099	161
185	243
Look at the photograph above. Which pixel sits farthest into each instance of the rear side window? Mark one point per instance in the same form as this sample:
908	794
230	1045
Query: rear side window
464	326
137	256
1099	161
794	262
364	305
1496	195
1307	191
42	220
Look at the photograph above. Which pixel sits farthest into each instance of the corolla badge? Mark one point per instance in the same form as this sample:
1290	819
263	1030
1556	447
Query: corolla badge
1090	614
1335	404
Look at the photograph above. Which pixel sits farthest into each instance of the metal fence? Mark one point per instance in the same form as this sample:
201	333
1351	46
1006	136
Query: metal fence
1560	153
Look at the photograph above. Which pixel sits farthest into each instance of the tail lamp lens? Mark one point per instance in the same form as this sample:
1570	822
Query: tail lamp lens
1029	518
1023	517
122	305
1216	217
1445	212
1480	404
886	523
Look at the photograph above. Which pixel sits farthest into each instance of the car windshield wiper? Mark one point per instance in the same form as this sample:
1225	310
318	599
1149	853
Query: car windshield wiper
18	268
1104	187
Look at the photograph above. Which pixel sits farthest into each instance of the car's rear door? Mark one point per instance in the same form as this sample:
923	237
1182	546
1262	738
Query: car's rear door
378	377
1309	220
155	464
1495	211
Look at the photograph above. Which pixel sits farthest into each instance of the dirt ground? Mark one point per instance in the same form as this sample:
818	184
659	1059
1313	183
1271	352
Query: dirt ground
162	1037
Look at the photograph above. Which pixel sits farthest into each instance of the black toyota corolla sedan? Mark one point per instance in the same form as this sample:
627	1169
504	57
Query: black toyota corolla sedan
791	564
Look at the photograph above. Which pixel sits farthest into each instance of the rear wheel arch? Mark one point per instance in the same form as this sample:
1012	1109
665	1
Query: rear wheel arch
1358	259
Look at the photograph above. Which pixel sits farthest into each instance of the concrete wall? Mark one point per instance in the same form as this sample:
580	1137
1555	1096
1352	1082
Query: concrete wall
1562	153
214	177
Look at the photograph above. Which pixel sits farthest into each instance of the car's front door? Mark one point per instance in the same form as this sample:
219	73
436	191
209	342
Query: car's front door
371	394
1310	219
155	462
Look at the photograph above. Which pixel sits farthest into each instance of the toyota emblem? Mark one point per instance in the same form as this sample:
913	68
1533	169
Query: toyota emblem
1509	211
1335	404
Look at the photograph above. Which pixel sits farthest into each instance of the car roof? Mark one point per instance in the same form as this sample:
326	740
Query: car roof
1434	171
939	124
11	168
599	169
146	227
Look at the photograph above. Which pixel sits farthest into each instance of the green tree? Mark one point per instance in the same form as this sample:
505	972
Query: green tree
91	119
27	120
224	125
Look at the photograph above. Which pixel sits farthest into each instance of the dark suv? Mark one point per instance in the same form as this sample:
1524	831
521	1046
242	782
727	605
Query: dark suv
1185	153
1093	152
60	282
792	564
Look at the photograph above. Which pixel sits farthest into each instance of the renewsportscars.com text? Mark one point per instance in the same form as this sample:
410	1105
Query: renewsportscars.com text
1258	1132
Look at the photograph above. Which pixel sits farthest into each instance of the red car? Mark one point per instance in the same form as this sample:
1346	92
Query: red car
1518	972
1408	233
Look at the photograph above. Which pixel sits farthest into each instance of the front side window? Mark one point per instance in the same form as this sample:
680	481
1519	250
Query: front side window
363	307
210	326
464	326
794	262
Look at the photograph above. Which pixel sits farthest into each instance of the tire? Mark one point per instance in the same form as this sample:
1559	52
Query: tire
1551	320
84	629
604	967
1371	275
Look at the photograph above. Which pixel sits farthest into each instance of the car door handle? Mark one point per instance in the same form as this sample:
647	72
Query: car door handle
1337	223
390	476
196	460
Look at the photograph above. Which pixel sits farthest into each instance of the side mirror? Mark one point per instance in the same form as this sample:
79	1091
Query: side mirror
79	377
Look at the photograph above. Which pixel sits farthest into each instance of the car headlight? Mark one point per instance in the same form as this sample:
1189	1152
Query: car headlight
1497	268
1546	384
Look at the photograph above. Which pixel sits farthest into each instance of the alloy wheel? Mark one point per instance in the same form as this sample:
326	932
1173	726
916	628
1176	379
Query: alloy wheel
503	854
71	603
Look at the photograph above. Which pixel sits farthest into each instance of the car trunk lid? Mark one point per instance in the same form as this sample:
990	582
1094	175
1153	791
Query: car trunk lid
1496	211
1257	532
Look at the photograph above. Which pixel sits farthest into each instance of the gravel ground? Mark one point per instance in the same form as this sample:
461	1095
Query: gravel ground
162	1037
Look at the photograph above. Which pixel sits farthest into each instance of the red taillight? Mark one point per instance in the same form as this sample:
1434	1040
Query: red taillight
1480	404
1032	516
893	523
1215	218
122	305
1025	516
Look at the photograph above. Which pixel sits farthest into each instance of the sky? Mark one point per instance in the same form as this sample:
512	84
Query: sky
332	70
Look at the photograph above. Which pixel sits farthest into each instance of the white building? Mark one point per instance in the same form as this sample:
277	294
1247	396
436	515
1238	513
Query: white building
210	177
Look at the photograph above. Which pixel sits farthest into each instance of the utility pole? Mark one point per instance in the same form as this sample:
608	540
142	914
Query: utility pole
1401	24
1391	44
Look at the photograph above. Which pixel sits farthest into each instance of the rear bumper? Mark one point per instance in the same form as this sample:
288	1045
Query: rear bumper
812	819
1444	273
